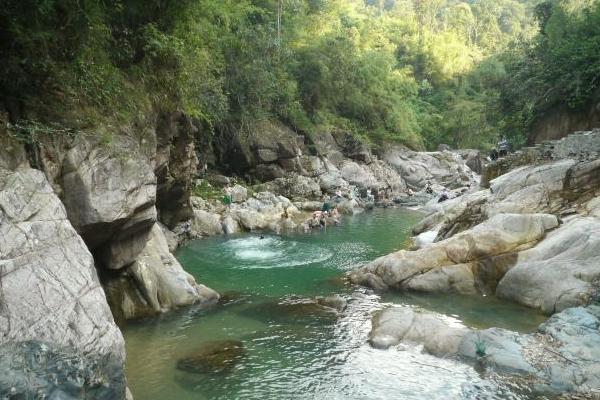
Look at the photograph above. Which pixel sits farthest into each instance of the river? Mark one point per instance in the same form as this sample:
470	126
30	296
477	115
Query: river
293	355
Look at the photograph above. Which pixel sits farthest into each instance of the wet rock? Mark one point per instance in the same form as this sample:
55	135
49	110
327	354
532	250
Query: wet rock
231	297
334	301
35	370
396	325
290	310
161	281
213	358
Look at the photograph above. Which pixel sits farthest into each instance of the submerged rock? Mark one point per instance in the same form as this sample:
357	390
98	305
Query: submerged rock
213	358
290	310
35	370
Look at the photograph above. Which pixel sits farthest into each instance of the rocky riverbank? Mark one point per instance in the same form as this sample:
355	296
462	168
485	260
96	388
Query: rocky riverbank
532	237
89	221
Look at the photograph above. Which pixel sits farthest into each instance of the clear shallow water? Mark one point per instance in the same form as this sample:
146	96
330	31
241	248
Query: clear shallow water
290	354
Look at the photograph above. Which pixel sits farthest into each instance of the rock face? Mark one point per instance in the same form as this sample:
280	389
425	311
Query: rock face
445	263
49	288
36	370
580	146
110	198
561	272
155	283
175	167
446	168
262	143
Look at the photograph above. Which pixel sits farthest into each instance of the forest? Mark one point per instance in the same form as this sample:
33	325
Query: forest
417	72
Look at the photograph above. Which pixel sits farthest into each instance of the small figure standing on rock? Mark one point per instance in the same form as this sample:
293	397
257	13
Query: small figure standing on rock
370	197
227	196
326	206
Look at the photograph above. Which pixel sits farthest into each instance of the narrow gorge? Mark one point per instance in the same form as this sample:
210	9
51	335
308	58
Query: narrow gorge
292	199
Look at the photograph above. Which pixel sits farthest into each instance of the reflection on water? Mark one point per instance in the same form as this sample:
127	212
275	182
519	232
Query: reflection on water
305	352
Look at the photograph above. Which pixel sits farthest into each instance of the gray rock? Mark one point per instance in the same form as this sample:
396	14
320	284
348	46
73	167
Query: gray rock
500	234
205	223
503	349
175	167
558	273
396	325
239	194
109	194
416	168
358	175
50	291
230	225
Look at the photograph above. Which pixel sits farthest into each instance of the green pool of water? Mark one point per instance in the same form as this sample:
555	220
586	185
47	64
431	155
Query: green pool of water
292	355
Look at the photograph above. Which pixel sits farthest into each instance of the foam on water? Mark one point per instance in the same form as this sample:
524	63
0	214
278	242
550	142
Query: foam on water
271	252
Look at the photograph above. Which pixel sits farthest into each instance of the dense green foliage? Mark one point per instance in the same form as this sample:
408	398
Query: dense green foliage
421	72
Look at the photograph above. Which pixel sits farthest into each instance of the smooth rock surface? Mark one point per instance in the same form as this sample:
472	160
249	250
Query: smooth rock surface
500	234
49	287
560	272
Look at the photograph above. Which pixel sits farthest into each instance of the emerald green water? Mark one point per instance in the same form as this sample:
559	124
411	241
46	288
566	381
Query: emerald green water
292	355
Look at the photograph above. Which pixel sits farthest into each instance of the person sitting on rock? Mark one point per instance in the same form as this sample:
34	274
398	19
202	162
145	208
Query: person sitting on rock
370	197
428	188
323	220
503	147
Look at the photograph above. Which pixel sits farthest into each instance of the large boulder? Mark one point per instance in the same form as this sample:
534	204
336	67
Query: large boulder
417	168
396	325
560	272
50	290
205	223
261	142
352	147
297	187
159	283
110	195
501	234
358	175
